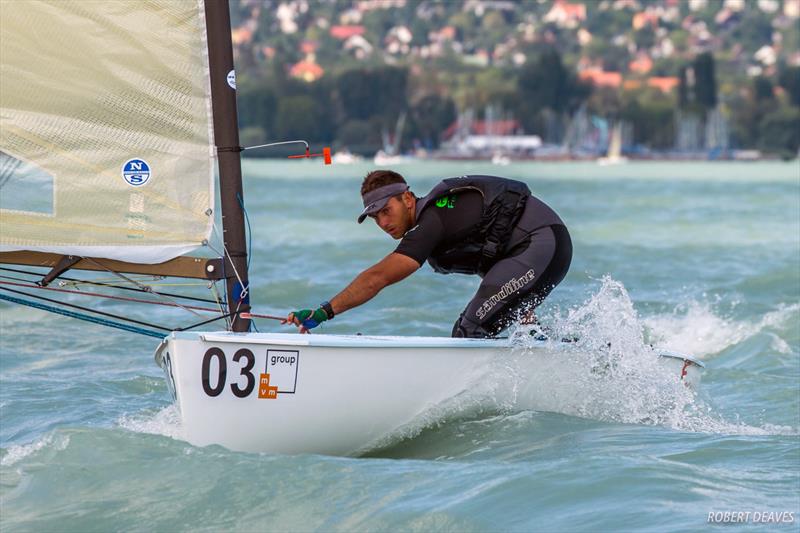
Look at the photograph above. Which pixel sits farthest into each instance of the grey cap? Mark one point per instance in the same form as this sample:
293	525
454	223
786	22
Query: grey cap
375	200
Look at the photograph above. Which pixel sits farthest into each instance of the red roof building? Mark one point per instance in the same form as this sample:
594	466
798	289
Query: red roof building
565	14
306	70
664	84
601	78
641	65
345	32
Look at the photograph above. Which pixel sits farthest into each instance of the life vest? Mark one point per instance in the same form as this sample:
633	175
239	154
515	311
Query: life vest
504	201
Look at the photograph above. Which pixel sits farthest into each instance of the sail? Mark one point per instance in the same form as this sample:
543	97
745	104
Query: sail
106	132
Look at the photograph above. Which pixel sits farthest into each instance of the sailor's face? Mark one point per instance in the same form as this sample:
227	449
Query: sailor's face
396	216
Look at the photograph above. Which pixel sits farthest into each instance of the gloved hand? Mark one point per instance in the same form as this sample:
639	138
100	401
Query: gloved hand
307	319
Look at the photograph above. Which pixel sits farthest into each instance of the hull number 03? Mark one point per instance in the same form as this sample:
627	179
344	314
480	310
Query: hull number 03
214	387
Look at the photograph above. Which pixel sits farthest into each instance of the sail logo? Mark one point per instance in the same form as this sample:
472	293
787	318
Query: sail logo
231	79
136	172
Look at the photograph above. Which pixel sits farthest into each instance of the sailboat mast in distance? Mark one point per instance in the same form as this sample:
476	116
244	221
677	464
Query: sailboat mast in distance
226	138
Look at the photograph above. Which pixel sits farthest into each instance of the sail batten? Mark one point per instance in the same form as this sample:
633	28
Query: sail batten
111	102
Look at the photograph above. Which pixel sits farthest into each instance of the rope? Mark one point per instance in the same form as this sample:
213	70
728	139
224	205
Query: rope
215	292
79	316
228	255
109	296
206	322
125	299
121	287
143	287
149	325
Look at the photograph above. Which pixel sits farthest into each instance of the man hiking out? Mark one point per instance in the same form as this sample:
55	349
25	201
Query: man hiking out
485	225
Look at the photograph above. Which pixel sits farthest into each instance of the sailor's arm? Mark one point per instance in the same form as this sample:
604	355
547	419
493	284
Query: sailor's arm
391	269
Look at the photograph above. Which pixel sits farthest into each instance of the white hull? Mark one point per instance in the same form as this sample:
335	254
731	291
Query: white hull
333	394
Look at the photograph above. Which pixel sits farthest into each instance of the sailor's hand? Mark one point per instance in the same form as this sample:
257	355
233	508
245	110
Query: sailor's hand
306	319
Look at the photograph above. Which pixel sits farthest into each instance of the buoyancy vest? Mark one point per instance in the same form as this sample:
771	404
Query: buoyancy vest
504	201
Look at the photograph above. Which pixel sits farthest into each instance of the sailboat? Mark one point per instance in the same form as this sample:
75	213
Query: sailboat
614	155
119	127
390	154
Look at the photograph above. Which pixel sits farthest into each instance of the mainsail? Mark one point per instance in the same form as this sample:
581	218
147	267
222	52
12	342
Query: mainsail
106	130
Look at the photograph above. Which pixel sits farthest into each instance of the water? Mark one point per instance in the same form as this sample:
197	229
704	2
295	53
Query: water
695	257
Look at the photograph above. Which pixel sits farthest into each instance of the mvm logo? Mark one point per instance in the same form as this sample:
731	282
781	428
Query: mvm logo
264	390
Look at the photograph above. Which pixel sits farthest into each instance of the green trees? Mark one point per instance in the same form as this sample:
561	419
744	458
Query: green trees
779	132
354	106
545	84
789	79
705	82
430	116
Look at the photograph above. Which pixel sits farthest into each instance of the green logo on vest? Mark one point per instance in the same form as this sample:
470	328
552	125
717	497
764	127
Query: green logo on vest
446	201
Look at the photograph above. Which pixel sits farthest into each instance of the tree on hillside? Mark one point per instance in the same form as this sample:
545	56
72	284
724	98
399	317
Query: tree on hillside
299	117
790	81
545	84
381	92
705	83
430	116
779	132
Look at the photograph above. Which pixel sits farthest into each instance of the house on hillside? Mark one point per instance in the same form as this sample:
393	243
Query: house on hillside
358	46
665	84
601	78
566	15
398	40
642	64
307	70
344	32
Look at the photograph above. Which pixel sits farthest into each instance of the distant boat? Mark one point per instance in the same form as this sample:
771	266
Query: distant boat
345	157
382	159
390	154
614	156
500	159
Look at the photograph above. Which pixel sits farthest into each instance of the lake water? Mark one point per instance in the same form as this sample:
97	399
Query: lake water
702	258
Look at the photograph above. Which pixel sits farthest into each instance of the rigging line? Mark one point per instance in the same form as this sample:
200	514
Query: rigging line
249	231
121	287
109	296
205	322
74	306
224	283
215	292
245	289
125	299
79	316
144	287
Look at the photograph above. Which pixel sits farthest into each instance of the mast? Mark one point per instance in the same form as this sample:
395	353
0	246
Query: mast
226	138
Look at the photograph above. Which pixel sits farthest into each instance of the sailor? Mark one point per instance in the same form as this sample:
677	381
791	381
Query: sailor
485	225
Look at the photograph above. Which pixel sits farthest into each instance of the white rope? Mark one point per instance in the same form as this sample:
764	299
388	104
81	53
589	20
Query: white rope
245	289
215	292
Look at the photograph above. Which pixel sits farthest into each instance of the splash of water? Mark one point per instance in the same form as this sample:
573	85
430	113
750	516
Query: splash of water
609	371
166	422
695	328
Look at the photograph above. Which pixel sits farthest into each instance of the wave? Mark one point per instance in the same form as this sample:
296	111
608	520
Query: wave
16	453
695	328
165	422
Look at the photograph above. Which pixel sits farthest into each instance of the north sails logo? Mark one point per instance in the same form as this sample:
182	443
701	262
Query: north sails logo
510	287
